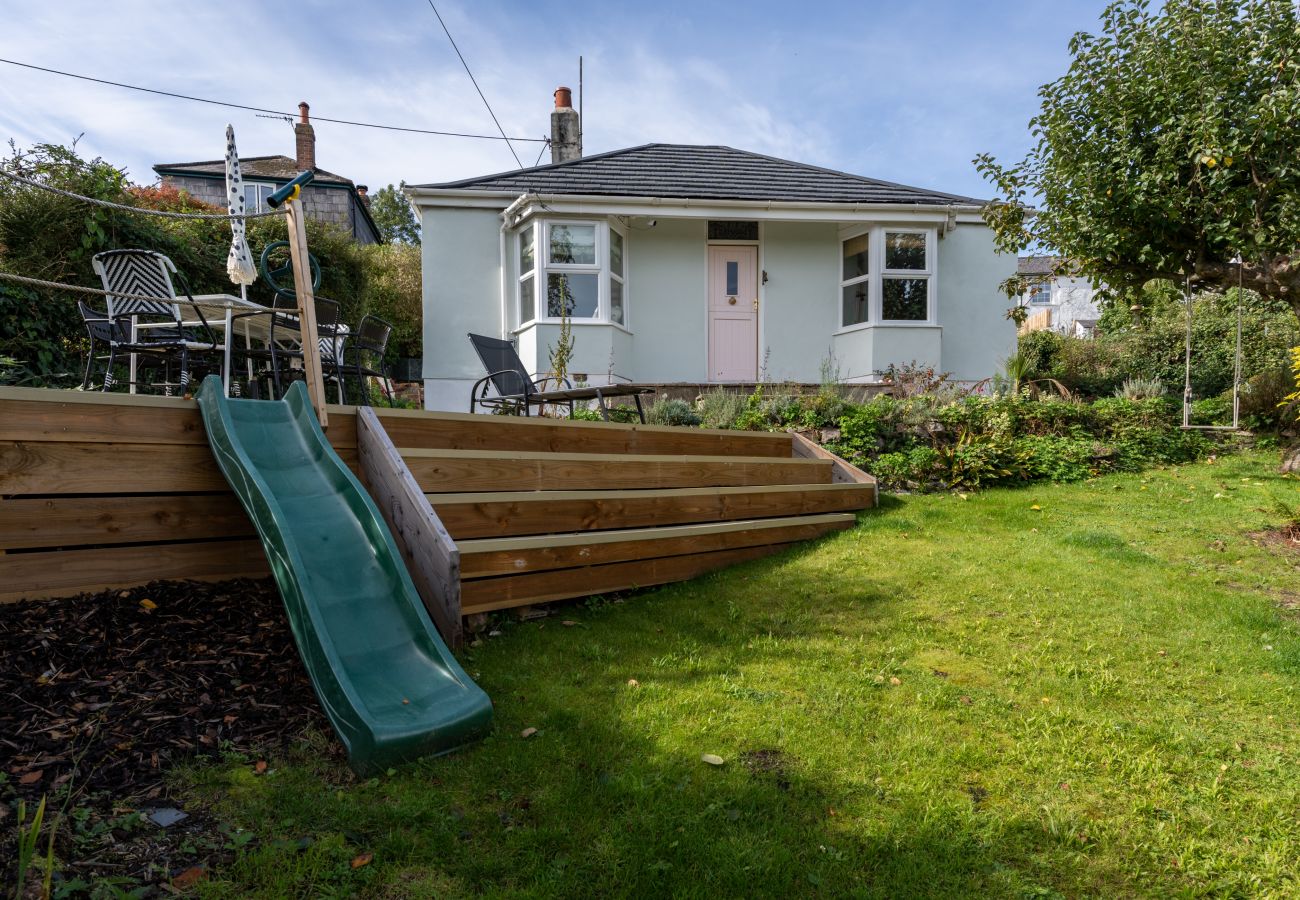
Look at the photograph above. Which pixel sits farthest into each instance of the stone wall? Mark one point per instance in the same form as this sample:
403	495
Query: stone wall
323	204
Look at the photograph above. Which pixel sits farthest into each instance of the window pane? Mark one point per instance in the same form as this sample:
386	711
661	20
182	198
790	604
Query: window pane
574	244
904	250
616	253
526	251
855	304
855	257
1040	292
576	295
616	301
527	300
733	277
905	298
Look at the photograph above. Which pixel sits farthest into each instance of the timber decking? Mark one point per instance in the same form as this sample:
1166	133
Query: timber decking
102	491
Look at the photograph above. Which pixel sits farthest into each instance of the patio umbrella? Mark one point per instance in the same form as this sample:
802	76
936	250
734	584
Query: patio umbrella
239	265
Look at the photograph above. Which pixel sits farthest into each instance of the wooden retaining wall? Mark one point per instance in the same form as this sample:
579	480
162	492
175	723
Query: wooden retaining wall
100	491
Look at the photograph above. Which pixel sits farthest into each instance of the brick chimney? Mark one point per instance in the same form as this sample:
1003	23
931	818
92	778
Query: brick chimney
566	136
305	138
364	193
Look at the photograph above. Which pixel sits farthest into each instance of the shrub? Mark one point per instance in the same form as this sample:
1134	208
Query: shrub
672	412
719	408
1141	388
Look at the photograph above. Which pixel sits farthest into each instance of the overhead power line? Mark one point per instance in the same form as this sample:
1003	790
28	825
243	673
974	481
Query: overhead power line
476	87
279	113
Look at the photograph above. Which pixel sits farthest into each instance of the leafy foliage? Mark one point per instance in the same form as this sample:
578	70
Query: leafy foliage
46	236
1167	147
393	214
672	412
925	443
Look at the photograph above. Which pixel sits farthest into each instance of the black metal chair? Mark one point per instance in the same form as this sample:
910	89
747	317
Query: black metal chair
99	330
517	391
363	356
281	358
151	328
515	388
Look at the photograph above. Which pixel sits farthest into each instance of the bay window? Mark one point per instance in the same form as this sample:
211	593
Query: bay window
577	272
885	277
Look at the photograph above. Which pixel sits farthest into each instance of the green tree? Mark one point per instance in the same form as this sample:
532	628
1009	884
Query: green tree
393	214
1168	148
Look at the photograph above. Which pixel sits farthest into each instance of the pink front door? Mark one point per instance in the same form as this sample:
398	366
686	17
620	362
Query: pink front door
733	313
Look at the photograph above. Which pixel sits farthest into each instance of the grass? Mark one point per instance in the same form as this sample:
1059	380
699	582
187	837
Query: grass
960	697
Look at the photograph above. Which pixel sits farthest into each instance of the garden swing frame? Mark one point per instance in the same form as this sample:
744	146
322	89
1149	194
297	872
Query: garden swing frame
1187	361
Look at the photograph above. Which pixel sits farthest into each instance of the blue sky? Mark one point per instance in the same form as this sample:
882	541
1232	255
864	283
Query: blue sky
908	92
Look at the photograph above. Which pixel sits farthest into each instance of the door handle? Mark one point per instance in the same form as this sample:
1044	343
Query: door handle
755	304
731	301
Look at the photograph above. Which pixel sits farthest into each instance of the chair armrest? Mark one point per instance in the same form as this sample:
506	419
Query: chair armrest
203	321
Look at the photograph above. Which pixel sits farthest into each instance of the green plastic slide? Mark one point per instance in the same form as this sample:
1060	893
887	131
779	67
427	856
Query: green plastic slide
391	688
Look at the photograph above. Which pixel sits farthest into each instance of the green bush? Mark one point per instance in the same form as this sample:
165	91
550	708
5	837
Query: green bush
672	412
51	237
921	443
719	408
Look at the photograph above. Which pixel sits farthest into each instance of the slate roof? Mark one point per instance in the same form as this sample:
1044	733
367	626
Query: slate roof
1035	265
700	172
277	168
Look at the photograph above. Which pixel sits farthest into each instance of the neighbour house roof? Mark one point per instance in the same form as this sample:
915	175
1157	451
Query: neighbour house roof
278	168
1035	265
700	172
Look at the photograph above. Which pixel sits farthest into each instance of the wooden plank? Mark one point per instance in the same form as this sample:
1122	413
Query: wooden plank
461	431
430	554
48	467
75	468
510	556
63	573
78	521
302	289
842	472
40	414
547	512
477	470
486	594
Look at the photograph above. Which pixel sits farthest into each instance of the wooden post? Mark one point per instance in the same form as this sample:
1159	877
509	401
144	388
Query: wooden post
430	554
306	308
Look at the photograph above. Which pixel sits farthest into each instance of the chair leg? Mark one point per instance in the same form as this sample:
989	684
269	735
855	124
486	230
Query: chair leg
604	410
108	371
362	388
640	410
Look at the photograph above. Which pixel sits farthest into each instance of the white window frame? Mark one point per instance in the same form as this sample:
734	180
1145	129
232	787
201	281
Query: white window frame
877	273
926	275
612	276
1046	291
264	190
543	267
522	276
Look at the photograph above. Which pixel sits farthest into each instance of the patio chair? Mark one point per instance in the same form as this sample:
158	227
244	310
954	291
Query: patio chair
363	355
149	328
517	391
99	330
508	375
281	358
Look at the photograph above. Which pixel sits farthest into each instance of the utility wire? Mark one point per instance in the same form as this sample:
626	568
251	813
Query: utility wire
277	113
475	82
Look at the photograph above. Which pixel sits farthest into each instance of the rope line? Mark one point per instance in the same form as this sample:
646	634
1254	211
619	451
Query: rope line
258	109
119	295
108	204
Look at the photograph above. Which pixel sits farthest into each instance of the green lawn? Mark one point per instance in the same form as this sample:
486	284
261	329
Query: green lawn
959	697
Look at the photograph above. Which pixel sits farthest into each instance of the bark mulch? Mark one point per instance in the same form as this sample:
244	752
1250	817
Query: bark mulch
101	693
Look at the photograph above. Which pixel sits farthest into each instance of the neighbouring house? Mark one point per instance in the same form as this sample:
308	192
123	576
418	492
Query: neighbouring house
329	198
705	264
1060	302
